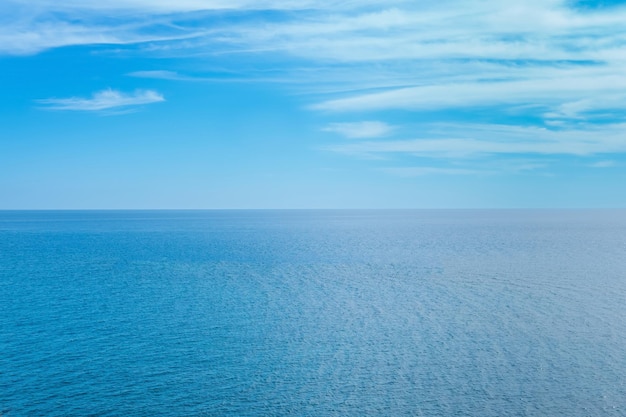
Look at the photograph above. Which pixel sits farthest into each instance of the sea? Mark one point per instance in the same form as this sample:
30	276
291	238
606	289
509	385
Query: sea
313	313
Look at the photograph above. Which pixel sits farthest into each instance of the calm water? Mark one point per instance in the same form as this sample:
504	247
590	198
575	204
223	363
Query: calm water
313	313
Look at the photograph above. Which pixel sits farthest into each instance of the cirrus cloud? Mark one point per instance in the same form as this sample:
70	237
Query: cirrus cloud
557	65
103	100
360	130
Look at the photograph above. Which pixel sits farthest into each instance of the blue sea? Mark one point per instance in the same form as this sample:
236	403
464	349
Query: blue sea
313	313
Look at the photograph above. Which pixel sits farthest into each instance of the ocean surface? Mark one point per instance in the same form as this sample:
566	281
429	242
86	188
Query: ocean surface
313	313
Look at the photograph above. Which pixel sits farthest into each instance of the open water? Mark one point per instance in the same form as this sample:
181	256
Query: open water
313	313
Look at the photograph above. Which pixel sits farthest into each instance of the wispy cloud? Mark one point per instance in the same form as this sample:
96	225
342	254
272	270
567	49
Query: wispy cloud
161	75
558	68
168	6
32	26
565	90
45	28
103	100
215	77
360	130
470	140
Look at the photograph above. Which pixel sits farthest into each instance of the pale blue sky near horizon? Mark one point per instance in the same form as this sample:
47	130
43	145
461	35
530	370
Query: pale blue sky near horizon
139	104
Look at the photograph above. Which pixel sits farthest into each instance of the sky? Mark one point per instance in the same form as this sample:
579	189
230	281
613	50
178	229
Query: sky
217	104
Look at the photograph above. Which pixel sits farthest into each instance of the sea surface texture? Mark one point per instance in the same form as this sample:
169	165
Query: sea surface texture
313	313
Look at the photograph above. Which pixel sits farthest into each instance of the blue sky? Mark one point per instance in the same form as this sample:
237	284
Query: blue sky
309	104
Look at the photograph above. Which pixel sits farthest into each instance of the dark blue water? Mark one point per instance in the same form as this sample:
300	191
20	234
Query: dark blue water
313	313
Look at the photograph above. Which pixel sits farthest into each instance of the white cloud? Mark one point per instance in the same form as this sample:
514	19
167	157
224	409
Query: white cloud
160	75
169	6
454	54
30	37
471	140
345	31
446	29
216	77
360	130
548	61
553	88
103	100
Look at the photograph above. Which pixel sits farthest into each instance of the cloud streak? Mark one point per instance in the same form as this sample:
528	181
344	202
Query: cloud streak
470	141
555	88
103	100
360	130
